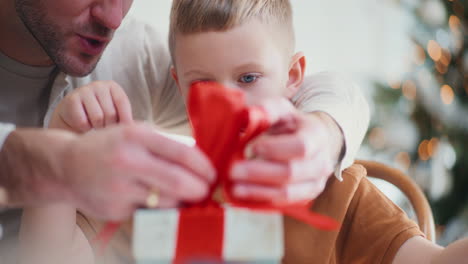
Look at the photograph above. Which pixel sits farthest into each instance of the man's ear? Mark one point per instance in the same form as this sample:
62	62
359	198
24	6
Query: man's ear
296	74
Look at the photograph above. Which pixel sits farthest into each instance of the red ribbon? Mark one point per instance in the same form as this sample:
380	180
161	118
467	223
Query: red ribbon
222	126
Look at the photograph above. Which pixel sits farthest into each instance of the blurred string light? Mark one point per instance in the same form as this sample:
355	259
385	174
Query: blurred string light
428	148
395	84
403	159
441	67
409	89
423	150
419	57
446	94
434	50
454	23
432	146
446	57
437	72
377	138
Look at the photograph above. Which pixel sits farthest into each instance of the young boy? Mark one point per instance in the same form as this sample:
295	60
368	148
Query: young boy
249	45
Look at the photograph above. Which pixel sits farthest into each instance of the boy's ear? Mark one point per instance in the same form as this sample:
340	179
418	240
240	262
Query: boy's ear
176	79
174	75
296	74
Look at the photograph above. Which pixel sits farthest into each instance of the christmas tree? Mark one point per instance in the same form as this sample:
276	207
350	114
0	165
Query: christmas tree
420	122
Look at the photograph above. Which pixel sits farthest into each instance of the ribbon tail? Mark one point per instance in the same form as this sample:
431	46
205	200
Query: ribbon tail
319	221
105	235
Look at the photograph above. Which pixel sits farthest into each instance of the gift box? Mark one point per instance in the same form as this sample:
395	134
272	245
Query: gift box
234	231
213	234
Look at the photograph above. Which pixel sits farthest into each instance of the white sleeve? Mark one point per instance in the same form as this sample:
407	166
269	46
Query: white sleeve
344	102
5	130
168	105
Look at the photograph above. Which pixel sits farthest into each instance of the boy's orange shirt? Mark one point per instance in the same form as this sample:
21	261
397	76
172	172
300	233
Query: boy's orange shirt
373	228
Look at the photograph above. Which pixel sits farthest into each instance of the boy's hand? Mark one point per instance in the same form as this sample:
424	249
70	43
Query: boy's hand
97	105
293	160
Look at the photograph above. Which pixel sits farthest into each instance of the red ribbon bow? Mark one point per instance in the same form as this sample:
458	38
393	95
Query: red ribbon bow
222	126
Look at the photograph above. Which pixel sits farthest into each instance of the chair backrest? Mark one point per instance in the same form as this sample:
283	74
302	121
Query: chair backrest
409	188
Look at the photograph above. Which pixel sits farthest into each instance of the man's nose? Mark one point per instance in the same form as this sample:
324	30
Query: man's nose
108	13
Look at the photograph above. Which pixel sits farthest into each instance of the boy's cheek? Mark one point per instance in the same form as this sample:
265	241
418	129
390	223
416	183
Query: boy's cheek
257	96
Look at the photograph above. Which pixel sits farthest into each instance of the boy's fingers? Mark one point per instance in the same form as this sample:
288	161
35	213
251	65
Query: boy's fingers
289	193
278	174
73	114
104	98
285	147
279	110
93	109
121	104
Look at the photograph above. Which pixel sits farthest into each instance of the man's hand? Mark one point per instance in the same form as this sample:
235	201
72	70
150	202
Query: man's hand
293	160
106	173
96	105
126	164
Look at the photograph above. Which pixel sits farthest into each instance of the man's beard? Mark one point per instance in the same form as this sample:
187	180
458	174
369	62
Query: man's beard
52	39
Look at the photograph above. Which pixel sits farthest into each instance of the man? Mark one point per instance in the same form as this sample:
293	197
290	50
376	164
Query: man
51	47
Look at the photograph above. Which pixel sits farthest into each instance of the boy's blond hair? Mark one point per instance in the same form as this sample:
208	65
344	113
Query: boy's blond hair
196	16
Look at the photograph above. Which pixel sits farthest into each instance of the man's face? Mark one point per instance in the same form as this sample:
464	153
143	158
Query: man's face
73	33
246	57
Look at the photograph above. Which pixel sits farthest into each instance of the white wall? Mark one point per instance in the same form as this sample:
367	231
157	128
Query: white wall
363	38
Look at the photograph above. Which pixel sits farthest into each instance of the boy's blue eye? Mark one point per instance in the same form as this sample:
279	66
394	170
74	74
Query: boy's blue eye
248	78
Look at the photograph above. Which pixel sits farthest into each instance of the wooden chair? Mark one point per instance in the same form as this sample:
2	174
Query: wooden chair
410	189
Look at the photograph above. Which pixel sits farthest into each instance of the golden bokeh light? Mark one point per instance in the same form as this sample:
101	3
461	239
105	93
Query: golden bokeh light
441	68
446	94
432	146
434	50
423	151
377	138
446	57
419	55
395	84
454	23
404	159
409	90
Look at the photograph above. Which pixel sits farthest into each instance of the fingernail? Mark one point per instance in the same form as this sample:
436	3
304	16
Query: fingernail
239	172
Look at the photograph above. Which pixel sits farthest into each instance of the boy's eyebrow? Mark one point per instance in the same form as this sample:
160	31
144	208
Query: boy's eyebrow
195	72
250	66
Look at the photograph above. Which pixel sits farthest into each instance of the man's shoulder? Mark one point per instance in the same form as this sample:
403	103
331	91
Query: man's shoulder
135	37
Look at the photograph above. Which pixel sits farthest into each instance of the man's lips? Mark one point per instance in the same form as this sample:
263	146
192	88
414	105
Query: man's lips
92	45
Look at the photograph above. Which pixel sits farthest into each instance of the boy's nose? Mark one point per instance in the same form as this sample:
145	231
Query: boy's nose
108	13
229	84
